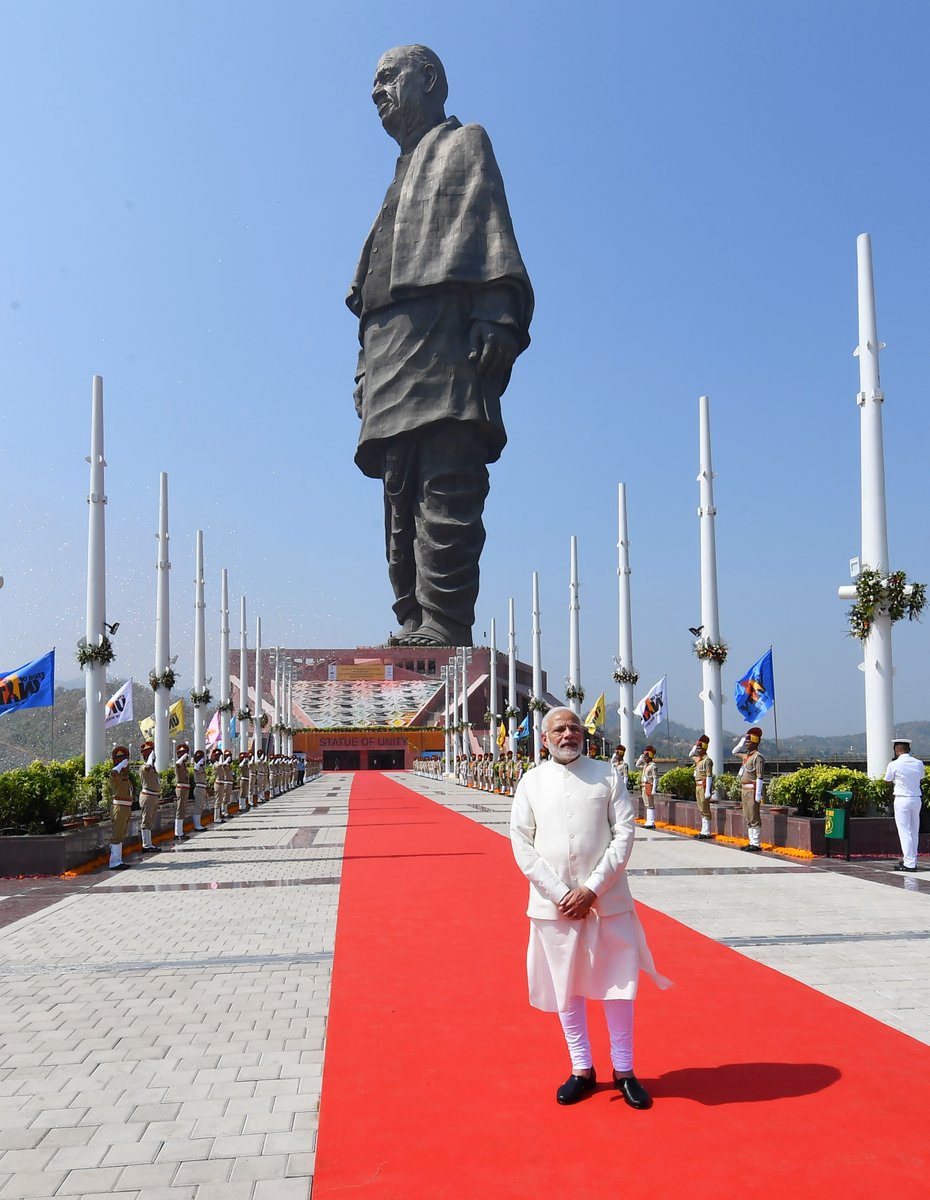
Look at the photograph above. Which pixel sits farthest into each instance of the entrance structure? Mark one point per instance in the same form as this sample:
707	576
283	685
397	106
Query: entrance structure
380	707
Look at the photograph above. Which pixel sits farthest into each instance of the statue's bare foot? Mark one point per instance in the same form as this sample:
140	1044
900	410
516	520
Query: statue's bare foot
431	633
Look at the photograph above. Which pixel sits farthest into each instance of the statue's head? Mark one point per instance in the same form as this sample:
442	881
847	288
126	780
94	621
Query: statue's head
409	90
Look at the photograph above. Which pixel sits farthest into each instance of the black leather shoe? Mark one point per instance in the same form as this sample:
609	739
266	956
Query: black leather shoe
902	867
649	827
575	1088
120	866
704	837
751	849
151	849
633	1092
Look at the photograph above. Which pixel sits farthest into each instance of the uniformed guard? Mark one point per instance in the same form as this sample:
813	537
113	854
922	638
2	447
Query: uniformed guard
244	781
703	782
200	788
751	786
121	793
219	777
182	789
619	764
648	783
151	795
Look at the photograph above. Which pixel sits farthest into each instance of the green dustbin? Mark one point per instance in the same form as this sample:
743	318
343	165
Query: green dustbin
836	818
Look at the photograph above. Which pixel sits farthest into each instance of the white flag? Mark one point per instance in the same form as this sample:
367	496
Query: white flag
119	706
652	706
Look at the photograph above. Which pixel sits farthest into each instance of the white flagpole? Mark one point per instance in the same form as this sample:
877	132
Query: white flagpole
163	756
712	690
537	670
200	660
243	726
625	647
493	706
224	661
95	673
574	631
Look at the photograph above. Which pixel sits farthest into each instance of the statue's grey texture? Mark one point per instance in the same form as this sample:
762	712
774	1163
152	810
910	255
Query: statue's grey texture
444	306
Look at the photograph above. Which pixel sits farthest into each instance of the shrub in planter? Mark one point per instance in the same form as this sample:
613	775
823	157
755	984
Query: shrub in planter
34	798
678	782
806	790
636	778
729	785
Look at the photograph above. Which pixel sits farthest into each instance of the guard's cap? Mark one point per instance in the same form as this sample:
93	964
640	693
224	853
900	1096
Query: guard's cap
119	753
182	748
754	735
651	751
621	750
700	746
145	747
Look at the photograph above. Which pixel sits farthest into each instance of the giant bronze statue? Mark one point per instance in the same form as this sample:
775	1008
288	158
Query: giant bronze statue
444	306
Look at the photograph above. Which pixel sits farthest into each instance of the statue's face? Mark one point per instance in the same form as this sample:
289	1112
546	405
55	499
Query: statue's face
399	91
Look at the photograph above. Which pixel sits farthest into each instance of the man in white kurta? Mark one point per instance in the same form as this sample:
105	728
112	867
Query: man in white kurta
572	832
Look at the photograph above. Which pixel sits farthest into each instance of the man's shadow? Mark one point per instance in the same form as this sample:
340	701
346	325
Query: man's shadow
743	1083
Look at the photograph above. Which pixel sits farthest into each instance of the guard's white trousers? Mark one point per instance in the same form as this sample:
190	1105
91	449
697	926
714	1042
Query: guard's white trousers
619	1014
907	819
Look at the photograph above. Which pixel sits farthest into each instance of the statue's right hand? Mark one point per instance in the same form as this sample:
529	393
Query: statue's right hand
359	397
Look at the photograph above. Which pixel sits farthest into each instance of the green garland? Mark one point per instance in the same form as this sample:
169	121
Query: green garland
626	675
198	698
167	679
876	593
104	653
225	708
537	704
573	693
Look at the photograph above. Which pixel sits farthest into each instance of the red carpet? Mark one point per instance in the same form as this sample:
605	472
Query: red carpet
440	1080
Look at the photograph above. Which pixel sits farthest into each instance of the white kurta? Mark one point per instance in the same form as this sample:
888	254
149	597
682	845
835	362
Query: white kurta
572	826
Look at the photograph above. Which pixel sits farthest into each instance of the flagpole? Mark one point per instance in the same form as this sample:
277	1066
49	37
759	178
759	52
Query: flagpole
775	718
574	631
492	724
95	671
537	671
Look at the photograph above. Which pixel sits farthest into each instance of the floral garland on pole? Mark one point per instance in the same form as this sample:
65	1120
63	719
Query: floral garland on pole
198	698
510	711
226	707
103	652
243	714
892	593
537	704
264	721
573	693
625	675
705	649
167	679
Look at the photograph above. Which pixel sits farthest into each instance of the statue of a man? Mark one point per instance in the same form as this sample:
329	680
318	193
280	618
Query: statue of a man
444	306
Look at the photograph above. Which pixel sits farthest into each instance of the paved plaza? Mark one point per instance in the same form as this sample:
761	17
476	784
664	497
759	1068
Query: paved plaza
164	1029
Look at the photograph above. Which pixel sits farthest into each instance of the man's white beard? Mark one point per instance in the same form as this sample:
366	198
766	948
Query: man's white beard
564	756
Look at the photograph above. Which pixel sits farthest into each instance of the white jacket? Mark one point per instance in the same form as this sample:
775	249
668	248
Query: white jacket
572	827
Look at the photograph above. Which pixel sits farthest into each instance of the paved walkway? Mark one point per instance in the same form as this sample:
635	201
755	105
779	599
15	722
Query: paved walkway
162	1030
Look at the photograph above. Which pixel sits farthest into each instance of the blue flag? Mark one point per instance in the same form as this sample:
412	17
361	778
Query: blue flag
523	729
755	692
31	686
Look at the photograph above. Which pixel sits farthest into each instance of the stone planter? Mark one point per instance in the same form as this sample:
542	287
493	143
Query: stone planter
57	853
870	836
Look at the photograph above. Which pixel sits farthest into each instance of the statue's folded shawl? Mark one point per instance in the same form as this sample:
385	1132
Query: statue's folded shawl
453	224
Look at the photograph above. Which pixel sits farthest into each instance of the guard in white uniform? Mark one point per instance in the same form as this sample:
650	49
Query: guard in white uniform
906	773
572	832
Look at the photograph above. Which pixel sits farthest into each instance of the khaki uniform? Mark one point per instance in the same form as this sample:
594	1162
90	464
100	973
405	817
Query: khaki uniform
753	766
244	784
200	788
703	770
151	794
121	792
182	787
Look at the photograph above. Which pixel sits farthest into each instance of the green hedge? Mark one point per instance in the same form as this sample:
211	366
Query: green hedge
34	798
729	785
806	790
678	782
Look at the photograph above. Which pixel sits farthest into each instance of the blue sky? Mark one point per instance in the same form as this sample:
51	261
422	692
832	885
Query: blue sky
188	187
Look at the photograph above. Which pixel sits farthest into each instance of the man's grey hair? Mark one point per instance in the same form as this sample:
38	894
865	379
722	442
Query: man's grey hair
429	58
550	715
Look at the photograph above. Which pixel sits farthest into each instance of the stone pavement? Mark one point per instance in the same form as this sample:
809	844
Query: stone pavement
162	1030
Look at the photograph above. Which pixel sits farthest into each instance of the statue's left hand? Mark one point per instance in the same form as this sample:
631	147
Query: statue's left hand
493	348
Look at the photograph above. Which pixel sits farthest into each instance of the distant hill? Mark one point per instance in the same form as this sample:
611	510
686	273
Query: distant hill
807	746
58	732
